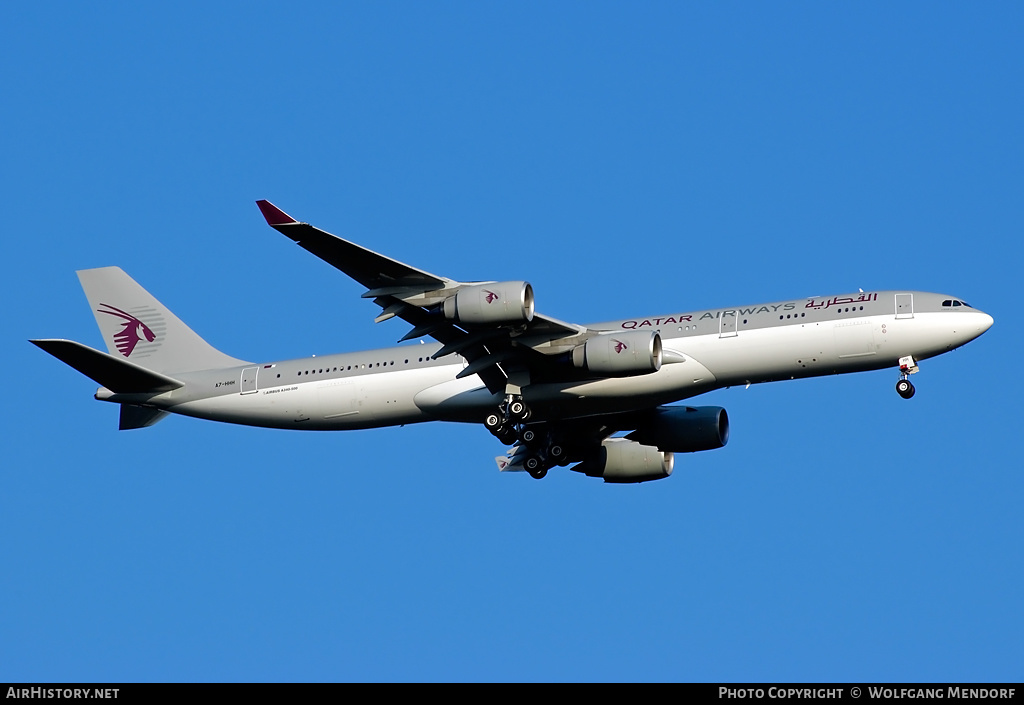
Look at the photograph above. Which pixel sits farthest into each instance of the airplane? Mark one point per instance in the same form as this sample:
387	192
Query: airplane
603	398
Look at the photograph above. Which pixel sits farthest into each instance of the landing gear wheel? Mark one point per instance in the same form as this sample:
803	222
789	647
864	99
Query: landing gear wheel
518	410
539	473
529	435
493	422
905	389
507	436
536	466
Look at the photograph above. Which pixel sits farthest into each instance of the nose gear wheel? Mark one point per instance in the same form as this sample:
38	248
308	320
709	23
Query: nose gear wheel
908	366
905	388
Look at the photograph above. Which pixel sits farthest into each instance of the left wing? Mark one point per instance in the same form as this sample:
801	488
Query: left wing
491	324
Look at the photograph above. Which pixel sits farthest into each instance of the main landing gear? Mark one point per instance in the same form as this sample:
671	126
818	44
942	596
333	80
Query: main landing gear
543	451
540	450
905	387
506	421
510	413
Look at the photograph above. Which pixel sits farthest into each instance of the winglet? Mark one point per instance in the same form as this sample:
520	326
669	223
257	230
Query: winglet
274	215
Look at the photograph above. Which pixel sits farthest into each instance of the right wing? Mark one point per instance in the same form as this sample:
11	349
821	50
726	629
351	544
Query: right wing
503	354
382	276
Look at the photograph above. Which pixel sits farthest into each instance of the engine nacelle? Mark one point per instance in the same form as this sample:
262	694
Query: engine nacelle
622	461
500	302
684	429
635	352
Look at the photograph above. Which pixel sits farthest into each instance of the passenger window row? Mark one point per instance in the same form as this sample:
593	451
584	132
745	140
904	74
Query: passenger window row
352	367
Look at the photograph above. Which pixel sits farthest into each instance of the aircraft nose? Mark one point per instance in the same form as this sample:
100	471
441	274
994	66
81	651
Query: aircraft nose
973	325
985	322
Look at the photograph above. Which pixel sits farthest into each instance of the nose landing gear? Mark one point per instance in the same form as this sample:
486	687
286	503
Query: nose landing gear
905	387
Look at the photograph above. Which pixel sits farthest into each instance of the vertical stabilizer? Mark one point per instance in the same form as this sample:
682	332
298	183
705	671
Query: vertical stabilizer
142	330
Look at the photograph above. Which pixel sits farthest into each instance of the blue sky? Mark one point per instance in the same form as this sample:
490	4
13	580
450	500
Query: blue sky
626	161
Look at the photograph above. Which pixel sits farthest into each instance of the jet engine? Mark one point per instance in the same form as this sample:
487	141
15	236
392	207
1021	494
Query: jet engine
635	352
494	303
622	461
684	429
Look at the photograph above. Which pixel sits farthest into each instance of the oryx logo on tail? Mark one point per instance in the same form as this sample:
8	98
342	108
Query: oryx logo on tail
133	332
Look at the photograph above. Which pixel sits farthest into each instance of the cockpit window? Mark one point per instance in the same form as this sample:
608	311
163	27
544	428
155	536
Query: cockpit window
954	303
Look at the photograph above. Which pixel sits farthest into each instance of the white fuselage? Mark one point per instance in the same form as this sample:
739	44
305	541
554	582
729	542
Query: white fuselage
705	350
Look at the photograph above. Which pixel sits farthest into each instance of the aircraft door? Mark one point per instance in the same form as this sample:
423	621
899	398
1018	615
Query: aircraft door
338	398
249	380
904	305
727	324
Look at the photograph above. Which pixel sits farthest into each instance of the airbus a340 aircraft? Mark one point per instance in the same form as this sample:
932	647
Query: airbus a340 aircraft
559	393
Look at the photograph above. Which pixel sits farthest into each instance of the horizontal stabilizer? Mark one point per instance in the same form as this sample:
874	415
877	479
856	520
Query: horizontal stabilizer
115	374
139	417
